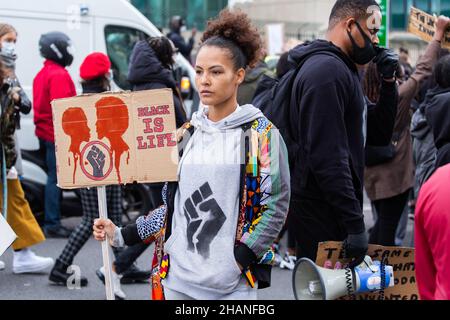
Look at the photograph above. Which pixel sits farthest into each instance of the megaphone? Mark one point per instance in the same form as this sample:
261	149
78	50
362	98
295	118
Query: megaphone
311	282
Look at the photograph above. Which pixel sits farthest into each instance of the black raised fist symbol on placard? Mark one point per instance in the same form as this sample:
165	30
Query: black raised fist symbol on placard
204	220
97	160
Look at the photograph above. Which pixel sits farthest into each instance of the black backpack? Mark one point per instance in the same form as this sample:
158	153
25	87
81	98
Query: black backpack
273	98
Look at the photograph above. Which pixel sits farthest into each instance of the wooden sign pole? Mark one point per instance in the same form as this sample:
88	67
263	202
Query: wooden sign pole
103	213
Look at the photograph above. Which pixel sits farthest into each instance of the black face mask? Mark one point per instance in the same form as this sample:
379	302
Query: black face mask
365	54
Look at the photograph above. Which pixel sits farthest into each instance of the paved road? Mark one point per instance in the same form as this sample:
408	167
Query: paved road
37	286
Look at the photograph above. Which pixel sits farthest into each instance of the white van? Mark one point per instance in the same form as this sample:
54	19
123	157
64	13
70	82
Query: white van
108	26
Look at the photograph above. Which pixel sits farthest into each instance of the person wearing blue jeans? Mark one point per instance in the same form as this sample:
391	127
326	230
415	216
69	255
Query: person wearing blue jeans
52	82
52	205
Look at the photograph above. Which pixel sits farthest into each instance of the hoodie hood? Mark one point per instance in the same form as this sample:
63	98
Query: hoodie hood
145	66
419	124
438	115
244	114
255	73
302	51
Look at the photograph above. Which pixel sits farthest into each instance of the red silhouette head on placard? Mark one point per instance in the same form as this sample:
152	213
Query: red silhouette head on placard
74	124
112	123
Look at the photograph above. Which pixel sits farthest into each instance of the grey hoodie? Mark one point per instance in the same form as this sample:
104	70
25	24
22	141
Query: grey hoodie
205	217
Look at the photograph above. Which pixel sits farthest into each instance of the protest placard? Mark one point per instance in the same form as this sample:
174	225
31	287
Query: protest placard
115	138
423	25
330	254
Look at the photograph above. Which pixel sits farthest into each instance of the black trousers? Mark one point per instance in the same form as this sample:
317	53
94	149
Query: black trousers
83	231
389	212
312	221
290	236
128	256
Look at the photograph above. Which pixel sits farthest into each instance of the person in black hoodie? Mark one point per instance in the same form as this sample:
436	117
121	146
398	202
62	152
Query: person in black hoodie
151	65
437	111
151	68
177	26
334	123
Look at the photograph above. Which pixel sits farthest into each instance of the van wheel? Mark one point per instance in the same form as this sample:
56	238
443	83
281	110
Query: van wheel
136	201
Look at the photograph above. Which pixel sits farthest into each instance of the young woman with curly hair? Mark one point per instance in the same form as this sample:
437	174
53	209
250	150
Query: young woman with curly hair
214	232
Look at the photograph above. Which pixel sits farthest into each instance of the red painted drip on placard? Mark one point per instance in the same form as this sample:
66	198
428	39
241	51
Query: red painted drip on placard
112	123
74	124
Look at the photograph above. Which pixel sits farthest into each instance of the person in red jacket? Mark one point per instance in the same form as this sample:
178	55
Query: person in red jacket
432	237
52	82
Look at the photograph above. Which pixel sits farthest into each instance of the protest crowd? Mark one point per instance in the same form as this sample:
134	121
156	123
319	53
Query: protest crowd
337	118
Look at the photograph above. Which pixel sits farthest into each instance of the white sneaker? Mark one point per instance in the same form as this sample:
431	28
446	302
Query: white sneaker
278	258
2	265
26	261
120	295
288	262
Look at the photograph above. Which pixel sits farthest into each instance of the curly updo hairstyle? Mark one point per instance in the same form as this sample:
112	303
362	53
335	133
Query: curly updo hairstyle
234	31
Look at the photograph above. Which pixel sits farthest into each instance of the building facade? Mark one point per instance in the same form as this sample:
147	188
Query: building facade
400	10
302	19
308	20
399	19
195	12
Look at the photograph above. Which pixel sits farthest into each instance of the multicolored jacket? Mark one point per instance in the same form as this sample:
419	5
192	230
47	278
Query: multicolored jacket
10	118
265	194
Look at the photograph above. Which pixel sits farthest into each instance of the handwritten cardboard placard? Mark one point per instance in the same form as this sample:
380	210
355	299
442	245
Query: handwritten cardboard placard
115	138
423	25
402	259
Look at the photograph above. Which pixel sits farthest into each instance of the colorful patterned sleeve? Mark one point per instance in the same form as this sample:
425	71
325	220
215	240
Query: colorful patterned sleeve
274	193
149	226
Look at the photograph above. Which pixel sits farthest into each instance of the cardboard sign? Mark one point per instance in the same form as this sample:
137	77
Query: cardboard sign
7	235
402	260
423	25
115	138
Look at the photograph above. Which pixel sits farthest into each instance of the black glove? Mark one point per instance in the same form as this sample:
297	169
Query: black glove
387	62
355	246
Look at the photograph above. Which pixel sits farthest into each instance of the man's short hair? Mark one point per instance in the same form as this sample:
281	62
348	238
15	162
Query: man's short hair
344	9
404	50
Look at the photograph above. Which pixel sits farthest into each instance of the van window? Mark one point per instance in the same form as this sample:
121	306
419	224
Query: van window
120	42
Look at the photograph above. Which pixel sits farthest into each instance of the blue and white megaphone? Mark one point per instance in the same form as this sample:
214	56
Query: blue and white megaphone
312	282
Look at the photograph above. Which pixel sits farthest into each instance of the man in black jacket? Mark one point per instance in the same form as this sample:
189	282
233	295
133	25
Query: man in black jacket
335	123
437	111
177	25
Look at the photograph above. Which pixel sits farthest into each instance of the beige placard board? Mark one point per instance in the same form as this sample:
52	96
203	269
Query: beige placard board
423	25
115	138
401	258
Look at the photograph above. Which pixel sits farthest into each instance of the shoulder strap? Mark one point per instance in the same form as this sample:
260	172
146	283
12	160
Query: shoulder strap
183	135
